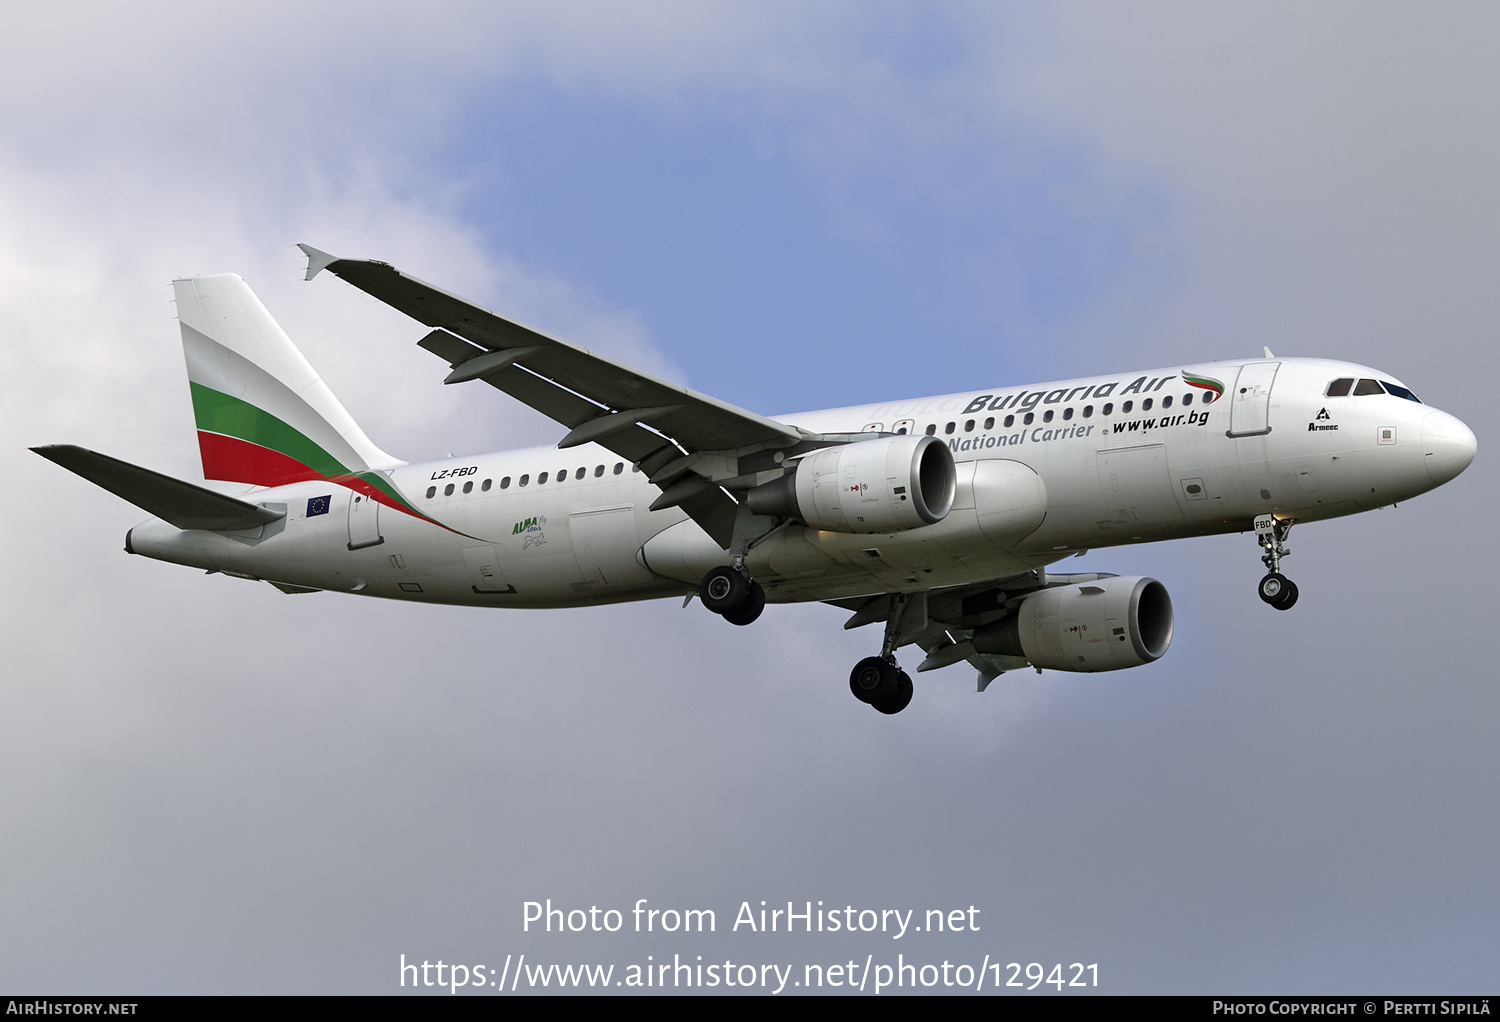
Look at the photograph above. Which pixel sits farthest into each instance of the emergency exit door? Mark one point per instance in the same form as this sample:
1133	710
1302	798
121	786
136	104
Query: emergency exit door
364	522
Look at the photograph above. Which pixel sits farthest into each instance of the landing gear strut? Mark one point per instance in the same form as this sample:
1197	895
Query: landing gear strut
733	595
1275	588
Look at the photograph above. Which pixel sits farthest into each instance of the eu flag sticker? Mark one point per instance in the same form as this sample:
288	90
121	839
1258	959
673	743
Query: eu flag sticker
318	505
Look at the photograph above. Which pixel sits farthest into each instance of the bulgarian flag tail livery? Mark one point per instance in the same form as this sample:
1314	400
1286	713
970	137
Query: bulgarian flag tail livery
263	415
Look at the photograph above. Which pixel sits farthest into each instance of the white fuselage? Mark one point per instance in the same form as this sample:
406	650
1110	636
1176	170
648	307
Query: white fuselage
1101	462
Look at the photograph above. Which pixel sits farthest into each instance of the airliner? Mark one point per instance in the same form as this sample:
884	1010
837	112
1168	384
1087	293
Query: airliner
936	517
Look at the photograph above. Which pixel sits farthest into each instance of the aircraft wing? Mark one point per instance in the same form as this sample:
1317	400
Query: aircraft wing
650	421
942	622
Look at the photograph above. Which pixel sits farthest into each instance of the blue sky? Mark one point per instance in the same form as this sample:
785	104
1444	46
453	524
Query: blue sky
761	266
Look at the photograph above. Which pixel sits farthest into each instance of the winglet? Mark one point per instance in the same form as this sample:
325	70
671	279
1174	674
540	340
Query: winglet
317	261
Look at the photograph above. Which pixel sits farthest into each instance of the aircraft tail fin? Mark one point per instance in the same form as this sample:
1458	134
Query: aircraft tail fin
181	504
264	416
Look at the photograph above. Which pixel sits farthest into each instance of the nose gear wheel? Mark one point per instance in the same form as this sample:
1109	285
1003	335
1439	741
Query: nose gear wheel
1278	591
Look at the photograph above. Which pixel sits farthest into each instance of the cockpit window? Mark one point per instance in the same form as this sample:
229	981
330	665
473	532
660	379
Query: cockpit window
1395	391
1364	388
1339	388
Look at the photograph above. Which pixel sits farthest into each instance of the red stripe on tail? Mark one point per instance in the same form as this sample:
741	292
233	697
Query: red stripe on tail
239	461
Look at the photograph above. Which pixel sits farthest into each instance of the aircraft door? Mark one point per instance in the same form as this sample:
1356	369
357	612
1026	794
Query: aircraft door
364	522
605	541
1250	402
484	570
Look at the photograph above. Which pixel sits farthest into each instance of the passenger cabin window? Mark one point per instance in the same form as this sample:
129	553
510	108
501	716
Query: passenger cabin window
619	467
1088	411
1166	402
1187	399
1124	409
1010	420
525	479
505	483
448	490
1364	388
1030	418
1339	388
969	426
1047	415
485	486
931	428
431	492
1108	408
949	428
1067	414
1146	405
989	423
598	471
469	486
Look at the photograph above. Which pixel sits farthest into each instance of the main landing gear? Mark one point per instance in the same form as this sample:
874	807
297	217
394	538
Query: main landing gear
1275	588
878	681
733	595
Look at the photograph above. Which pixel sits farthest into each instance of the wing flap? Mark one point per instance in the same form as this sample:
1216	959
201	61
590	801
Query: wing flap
181	504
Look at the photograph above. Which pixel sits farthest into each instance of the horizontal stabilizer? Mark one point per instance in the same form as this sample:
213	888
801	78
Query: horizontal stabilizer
172	500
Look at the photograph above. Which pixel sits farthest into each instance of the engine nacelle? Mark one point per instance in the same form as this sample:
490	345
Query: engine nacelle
1104	625
890	484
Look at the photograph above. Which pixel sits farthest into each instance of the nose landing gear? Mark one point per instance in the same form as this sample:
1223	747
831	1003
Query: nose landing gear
1278	590
1275	588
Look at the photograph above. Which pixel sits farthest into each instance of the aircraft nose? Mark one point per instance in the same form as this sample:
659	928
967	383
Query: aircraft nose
1448	446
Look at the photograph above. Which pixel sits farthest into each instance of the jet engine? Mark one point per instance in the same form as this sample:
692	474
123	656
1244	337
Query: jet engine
1105	625
890	484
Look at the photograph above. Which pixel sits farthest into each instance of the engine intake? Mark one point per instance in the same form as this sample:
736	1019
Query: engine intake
1106	625
886	485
